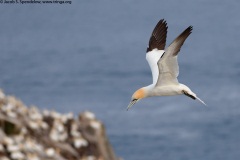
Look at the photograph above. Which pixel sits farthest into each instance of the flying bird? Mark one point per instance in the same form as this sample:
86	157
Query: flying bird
164	66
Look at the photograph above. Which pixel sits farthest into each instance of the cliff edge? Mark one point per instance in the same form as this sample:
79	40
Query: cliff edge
26	133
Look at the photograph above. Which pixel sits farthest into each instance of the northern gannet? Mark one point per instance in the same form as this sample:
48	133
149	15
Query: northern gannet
164	66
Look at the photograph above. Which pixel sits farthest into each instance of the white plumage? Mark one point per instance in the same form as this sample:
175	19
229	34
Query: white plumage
152	58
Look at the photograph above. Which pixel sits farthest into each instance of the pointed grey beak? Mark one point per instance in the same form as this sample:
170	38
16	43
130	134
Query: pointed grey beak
131	104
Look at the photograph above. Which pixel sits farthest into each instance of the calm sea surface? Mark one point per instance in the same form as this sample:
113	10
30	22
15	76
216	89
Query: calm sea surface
90	55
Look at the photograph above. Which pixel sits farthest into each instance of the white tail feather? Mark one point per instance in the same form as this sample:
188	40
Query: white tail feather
200	100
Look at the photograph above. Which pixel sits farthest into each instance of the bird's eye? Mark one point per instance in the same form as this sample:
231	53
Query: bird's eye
134	99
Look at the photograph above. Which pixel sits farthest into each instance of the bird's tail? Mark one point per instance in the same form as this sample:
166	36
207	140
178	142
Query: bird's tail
200	100
193	96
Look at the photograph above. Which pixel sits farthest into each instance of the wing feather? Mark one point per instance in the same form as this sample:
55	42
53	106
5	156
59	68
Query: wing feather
158	37
152	58
156	47
168	64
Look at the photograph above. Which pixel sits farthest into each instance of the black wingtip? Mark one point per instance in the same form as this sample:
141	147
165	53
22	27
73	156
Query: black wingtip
178	42
190	28
162	21
186	32
158	37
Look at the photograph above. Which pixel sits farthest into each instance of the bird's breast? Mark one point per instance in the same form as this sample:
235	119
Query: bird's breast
166	90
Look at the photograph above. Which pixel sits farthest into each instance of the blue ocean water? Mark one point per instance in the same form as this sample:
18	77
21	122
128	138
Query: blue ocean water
90	55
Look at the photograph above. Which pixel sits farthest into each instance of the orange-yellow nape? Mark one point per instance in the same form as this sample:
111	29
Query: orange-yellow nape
139	94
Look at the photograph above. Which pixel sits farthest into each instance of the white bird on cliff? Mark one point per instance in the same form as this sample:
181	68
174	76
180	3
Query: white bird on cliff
164	66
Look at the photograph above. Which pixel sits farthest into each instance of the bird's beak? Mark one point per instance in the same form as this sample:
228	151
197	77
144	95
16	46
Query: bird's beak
131	104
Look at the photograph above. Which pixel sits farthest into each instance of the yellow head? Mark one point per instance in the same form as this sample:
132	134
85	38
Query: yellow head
139	94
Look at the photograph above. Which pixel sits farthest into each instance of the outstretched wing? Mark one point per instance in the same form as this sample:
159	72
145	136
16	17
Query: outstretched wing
156	47
168	64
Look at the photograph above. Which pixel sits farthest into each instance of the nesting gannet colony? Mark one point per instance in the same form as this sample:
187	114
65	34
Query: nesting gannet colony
26	133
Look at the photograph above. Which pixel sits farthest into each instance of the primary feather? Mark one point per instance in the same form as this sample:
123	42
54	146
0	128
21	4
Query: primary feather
158	37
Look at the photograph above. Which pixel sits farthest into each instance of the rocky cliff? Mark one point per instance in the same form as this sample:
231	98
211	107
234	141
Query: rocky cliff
26	133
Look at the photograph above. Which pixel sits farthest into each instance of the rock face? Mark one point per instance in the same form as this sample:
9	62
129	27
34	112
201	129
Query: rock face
30	134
